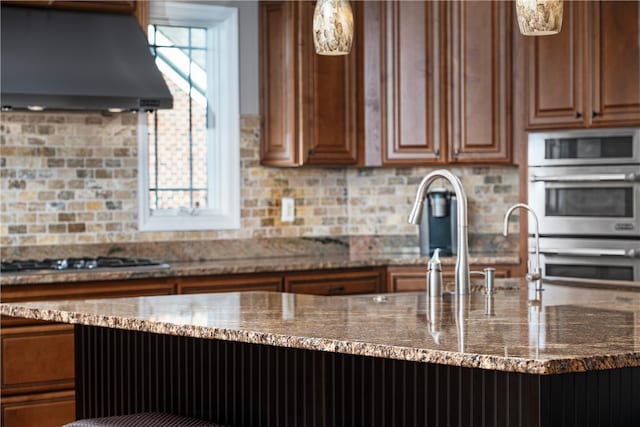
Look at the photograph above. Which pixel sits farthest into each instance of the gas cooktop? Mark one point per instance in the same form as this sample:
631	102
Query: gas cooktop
78	264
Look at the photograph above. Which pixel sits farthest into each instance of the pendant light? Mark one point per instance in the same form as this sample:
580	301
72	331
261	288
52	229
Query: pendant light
332	27
539	17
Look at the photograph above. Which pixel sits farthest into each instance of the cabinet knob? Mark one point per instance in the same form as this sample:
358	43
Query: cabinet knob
456	152
594	114
578	115
437	152
311	151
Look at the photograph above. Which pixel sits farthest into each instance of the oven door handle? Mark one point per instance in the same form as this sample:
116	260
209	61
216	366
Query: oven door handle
626	253
614	177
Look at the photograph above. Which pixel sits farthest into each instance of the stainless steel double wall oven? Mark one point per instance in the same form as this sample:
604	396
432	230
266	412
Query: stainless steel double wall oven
584	186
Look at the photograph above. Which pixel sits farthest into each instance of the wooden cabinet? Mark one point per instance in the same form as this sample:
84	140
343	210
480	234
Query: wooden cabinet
36	358
335	282
279	91
427	83
479	88
555	73
414	278
413	34
615	63
588	75
308	101
41	410
232	283
448	81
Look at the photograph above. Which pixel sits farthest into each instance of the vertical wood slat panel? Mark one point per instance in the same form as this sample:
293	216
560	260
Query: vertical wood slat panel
121	372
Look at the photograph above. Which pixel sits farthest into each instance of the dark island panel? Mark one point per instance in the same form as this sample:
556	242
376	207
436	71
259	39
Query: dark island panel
240	384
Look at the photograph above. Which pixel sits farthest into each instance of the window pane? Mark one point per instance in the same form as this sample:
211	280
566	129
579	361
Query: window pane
198	37
172	36
199	67
200	199
173	199
199	144
178	137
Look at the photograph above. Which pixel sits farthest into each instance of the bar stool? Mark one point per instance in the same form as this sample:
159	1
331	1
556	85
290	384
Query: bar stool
147	419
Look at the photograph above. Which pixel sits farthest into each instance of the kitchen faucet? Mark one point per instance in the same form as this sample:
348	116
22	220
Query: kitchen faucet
533	274
462	260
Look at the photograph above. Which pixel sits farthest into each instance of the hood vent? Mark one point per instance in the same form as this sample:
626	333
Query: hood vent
72	60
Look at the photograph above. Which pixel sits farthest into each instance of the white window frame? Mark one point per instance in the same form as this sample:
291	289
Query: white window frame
223	134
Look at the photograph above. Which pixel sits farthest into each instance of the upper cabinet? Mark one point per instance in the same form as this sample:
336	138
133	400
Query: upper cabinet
427	83
615	63
308	102
413	34
478	76
589	74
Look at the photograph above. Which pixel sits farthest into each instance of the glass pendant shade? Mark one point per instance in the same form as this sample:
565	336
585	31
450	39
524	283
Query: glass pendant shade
539	17
332	27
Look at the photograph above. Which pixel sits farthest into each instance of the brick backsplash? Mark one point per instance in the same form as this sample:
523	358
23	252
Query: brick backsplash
72	179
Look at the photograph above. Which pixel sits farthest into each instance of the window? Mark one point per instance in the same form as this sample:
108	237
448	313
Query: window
189	156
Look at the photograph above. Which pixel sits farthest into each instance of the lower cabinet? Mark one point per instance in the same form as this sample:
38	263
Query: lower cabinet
45	349
336	282
38	374
414	278
321	282
231	283
42	410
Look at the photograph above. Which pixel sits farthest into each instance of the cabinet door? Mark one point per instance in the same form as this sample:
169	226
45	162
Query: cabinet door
414	76
39	410
479	66
278	84
341	282
235	283
37	358
329	96
615	63
556	73
308	101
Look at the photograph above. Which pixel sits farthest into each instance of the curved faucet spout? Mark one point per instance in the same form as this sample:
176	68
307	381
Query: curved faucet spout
533	274
462	261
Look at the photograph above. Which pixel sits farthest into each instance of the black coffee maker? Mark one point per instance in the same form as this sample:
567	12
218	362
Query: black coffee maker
438	228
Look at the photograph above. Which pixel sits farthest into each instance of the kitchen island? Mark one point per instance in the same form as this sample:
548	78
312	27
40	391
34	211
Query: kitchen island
565	356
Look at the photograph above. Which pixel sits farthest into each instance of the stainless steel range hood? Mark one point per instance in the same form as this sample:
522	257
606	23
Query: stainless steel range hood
73	60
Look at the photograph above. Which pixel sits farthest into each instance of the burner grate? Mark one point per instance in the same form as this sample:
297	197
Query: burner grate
77	264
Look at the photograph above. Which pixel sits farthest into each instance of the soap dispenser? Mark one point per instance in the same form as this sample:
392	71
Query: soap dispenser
434	275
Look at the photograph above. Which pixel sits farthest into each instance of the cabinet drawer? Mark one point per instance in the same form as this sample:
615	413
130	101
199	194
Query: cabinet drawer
37	358
406	279
241	283
39	410
335	283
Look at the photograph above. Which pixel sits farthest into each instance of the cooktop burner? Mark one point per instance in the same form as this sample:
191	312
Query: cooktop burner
78	264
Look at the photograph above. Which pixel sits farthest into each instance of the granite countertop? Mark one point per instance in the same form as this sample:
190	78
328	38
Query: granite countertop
237	266
566	329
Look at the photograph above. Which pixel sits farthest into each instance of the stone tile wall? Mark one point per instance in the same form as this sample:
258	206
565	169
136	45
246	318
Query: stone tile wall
72	179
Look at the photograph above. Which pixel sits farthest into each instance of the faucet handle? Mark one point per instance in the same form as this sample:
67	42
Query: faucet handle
532	274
